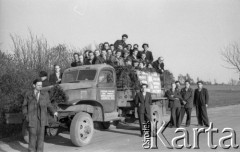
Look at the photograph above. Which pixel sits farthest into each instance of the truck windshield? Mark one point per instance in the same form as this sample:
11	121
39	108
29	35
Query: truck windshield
79	75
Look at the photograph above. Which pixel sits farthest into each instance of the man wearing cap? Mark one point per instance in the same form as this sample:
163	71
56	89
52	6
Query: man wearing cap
148	53
44	77
35	106
200	100
121	42
143	100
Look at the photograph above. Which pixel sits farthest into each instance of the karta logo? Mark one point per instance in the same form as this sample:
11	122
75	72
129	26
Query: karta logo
151	135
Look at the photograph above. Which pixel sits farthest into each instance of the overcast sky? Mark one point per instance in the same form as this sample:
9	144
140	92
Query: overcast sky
189	34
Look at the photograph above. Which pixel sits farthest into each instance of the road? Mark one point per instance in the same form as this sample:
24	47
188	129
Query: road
126	136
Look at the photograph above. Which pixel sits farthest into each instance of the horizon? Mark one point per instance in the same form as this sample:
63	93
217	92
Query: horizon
188	34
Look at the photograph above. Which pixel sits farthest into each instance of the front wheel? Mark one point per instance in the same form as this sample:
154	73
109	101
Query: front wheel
81	129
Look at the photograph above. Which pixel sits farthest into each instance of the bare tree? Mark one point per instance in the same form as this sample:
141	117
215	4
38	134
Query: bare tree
231	55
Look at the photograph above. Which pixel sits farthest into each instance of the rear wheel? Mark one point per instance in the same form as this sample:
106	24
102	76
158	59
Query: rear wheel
81	129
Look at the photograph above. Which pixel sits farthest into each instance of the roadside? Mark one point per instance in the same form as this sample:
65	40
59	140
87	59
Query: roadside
126	136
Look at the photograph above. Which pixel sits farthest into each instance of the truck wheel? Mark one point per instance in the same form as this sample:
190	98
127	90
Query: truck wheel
105	125
25	132
81	129
156	115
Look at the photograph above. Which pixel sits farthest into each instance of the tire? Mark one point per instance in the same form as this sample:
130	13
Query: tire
156	115
81	129
105	125
25	132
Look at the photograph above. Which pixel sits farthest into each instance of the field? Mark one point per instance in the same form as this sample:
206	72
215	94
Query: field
222	95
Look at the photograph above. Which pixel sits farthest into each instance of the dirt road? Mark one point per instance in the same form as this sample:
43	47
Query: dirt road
126	136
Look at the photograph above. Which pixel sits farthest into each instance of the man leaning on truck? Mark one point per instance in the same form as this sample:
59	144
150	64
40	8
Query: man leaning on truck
143	100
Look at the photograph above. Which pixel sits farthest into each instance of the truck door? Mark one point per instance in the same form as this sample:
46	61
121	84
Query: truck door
107	90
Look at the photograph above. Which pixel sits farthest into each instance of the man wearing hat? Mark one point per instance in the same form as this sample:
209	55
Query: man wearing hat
121	42
148	53
143	100
200	100
44	77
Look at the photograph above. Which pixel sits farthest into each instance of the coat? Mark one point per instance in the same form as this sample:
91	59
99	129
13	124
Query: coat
144	103
100	60
149	55
158	66
173	102
119	42
201	98
31	106
53	78
187	95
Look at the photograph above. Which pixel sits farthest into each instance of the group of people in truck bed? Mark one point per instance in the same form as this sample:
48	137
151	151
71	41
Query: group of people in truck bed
120	54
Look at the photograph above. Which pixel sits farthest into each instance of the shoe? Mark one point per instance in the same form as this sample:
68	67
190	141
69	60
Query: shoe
187	125
199	125
206	125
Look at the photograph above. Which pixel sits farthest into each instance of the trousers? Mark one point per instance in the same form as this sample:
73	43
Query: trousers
36	137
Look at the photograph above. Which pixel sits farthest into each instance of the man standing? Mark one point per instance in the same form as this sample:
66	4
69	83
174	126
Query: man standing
175	98
75	60
35	106
56	77
121	42
90	60
44	78
200	100
143	100
148	53
187	97
102	58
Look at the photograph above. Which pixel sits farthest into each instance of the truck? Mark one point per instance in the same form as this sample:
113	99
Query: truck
93	96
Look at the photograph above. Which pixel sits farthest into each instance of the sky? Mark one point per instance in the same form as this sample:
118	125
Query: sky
189	34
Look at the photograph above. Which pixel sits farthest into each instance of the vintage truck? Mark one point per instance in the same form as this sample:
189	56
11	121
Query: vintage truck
93	96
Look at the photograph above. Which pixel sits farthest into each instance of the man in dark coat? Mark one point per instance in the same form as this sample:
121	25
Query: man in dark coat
121	42
159	65
102	58
35	106
187	102
200	100
56	77
76	61
90	60
174	98
148	53
143	100
44	77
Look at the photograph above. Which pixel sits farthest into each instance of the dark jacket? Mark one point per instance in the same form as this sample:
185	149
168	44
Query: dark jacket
158	66
31	106
149	55
187	95
144	103
45	83
53	78
174	98
89	62
201	97
119	42
74	64
100	60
